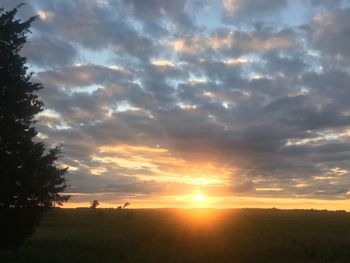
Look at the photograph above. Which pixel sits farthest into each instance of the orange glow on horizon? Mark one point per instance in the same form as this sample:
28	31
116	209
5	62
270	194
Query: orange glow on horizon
219	202
184	181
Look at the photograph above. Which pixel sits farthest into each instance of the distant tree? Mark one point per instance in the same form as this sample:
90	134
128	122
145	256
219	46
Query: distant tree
126	204
30	181
94	204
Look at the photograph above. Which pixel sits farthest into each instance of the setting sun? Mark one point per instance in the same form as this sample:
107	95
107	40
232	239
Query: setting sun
199	198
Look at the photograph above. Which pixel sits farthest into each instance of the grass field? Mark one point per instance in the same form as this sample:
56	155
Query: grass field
175	235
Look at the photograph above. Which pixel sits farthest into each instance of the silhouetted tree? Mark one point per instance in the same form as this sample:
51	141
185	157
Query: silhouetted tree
94	204
30	182
126	204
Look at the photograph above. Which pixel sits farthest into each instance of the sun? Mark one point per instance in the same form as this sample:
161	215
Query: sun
198	198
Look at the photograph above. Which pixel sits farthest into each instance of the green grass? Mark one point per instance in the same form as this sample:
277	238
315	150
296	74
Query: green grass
175	235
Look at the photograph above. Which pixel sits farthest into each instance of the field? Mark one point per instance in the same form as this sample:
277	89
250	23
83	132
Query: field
198	235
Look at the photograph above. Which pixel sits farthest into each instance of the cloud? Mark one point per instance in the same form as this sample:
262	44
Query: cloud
324	3
240	9
248	11
236	43
329	33
26	11
282	63
153	14
83	75
150	99
92	25
57	52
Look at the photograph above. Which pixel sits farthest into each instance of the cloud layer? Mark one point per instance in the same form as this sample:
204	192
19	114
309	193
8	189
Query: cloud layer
158	98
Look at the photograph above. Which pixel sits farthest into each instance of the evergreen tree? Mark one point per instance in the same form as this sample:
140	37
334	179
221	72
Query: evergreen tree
30	182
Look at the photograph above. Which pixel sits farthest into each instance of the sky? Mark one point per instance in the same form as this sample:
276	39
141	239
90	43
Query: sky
157	102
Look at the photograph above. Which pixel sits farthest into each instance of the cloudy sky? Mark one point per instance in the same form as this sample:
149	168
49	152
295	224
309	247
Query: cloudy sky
245	102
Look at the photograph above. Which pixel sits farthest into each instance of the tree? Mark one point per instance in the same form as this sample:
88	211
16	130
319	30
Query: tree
30	181
94	204
126	204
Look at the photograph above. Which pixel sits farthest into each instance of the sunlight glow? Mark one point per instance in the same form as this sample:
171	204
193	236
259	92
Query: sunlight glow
199	198
162	63
44	15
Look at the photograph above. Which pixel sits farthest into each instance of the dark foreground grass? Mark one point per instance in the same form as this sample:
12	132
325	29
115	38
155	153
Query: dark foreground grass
172	235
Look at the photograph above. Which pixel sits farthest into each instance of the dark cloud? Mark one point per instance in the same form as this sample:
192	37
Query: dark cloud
57	53
329	33
26	11
248	11
241	9
83	75
324	3
93	24
83	183
154	15
288	64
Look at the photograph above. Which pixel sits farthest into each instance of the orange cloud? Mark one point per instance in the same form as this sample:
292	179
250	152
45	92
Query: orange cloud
246	42
164	166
